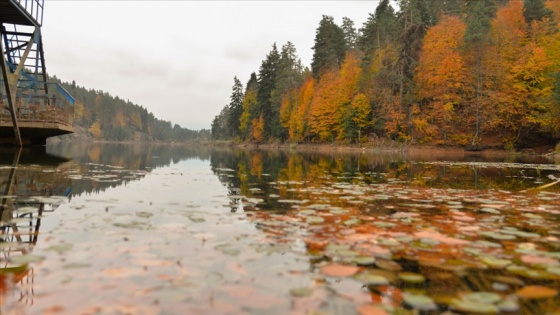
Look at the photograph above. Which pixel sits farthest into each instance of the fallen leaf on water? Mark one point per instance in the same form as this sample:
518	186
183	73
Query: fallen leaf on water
538	260
440	237
536	292
315	244
337	270
369	309
57	309
301	292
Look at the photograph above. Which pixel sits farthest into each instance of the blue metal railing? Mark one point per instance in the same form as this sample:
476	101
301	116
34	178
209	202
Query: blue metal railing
34	8
57	106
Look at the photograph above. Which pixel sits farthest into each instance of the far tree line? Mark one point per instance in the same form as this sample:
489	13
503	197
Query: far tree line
452	72
110	118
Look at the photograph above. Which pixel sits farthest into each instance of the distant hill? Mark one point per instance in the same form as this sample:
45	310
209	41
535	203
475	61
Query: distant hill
101	116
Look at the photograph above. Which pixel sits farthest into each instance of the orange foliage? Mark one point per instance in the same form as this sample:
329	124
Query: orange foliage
257	130
442	76
325	113
95	130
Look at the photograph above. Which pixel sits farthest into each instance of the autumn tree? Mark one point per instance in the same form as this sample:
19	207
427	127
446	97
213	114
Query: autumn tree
361	113
257	129
509	36
325	114
442	78
95	130
348	80
298	121
249	107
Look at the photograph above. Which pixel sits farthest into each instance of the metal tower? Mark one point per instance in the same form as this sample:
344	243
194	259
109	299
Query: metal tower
34	111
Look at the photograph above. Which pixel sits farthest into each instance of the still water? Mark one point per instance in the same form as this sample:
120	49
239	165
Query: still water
133	229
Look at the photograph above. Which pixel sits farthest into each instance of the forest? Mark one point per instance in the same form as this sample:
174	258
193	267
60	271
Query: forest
103	117
469	73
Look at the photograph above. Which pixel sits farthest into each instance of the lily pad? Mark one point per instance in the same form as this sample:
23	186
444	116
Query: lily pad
420	302
411	277
473	307
368	277
301	292
364	260
337	270
482	297
533	292
315	220
495	262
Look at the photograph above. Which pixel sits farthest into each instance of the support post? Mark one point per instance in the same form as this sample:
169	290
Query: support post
11	81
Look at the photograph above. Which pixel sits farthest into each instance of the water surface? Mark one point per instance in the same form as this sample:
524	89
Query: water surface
131	229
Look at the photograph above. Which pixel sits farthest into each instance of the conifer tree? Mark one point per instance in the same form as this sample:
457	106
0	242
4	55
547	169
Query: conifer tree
330	46
535	10
235	109
350	33
266	85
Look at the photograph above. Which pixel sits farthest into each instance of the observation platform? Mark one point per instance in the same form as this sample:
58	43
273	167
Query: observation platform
31	108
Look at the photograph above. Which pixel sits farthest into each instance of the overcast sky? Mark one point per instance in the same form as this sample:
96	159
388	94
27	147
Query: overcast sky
178	58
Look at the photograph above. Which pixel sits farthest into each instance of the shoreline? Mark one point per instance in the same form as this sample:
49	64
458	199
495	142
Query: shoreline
416	149
413	149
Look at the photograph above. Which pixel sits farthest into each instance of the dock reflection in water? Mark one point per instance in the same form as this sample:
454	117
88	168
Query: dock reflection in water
31	187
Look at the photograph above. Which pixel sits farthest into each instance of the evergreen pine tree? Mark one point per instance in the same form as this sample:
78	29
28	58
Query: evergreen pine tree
235	109
330	47
266	85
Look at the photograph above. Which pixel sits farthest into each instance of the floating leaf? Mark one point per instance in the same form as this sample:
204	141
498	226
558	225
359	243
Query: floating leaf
473	307
337	270
482	297
495	262
388	265
368	277
538	260
536	292
364	260
369	309
421	302
508	306
411	277
301	292
144	214
315	220
227	249
307	212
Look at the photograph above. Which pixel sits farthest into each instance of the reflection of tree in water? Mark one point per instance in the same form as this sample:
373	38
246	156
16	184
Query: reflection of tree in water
248	175
98	167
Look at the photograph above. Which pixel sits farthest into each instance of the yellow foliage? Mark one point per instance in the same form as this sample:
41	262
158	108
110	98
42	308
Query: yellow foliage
257	130
78	111
95	130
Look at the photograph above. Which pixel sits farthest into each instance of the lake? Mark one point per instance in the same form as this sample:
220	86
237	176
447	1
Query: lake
161	229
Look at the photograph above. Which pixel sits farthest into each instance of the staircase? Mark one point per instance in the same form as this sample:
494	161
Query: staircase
31	109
